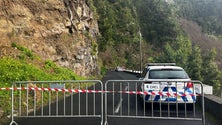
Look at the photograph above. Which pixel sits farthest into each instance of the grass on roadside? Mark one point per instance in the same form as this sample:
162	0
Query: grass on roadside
12	70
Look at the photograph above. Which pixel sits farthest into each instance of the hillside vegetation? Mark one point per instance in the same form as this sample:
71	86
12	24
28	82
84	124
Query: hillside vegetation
202	21
165	37
27	67
207	13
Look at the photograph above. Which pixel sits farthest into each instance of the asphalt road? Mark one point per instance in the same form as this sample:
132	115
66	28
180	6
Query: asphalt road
96	110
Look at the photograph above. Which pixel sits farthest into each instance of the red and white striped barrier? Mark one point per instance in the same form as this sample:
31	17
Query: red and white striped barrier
98	91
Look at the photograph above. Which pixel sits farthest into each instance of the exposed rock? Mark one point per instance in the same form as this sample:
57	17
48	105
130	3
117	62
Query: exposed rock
62	31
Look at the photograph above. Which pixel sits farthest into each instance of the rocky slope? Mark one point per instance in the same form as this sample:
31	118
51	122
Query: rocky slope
63	31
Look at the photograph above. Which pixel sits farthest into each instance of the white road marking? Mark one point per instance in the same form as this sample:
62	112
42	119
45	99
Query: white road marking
120	102
118	106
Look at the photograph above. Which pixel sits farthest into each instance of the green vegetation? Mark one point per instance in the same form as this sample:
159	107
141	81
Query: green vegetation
163	39
206	13
158	21
199	67
26	53
120	22
21	69
119	33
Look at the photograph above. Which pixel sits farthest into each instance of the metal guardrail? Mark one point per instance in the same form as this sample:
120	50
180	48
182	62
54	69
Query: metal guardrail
123	99
56	98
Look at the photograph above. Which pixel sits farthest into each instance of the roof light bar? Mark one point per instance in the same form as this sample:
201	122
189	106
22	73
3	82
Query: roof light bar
161	64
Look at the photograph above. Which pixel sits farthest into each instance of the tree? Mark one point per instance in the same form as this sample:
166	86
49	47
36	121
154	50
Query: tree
168	55
210	70
158	21
177	51
195	64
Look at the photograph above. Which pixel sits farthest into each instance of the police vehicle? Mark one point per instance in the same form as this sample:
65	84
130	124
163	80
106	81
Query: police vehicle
166	83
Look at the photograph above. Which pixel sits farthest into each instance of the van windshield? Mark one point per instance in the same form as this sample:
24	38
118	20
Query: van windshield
168	74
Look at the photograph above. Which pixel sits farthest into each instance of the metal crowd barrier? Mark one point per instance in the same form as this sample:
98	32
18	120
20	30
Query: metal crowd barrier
56	98
123	99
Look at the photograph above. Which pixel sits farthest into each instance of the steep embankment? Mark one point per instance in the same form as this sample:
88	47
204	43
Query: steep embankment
62	31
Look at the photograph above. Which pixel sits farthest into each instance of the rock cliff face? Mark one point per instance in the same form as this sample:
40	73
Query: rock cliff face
63	31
